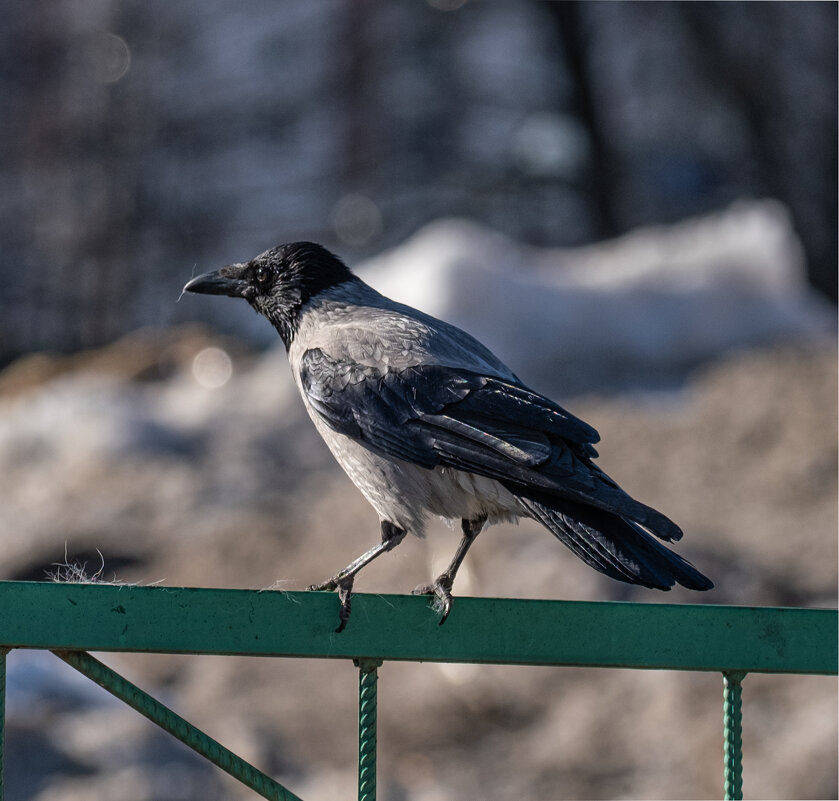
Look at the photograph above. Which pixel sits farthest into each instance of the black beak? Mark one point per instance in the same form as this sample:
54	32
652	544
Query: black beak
226	281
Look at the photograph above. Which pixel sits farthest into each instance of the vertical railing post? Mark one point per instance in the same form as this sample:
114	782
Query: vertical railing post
3	652
733	734
367	702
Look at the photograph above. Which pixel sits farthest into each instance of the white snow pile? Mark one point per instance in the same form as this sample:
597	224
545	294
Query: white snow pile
640	310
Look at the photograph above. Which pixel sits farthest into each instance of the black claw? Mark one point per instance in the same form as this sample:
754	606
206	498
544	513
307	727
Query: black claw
441	589
344	587
345	596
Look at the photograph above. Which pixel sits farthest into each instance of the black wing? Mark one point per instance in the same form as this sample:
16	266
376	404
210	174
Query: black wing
439	415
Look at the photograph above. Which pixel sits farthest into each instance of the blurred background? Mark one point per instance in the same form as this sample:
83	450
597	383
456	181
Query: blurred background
633	204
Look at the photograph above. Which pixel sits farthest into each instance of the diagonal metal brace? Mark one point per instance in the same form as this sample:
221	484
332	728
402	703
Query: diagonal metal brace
164	717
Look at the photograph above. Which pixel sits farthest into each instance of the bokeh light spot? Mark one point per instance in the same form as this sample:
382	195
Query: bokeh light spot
212	368
446	5
110	57
551	144
356	220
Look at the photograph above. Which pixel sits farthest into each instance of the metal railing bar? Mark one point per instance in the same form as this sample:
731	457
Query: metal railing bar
3	652
170	721
398	627
733	734
367	727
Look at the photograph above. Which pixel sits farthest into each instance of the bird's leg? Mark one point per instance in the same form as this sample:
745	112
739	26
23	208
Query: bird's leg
441	587
392	535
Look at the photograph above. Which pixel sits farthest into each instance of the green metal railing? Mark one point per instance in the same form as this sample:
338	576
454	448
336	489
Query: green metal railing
71	619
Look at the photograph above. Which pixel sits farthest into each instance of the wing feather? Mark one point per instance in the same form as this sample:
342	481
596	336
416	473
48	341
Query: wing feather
440	415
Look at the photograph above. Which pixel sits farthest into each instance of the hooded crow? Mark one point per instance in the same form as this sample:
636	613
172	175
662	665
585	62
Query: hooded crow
425	420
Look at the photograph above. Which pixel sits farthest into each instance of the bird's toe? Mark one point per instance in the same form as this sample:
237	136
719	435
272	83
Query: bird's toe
441	589
328	586
344	587
345	596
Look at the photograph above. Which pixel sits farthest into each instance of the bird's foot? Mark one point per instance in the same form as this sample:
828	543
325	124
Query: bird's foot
344	587
441	589
328	586
345	596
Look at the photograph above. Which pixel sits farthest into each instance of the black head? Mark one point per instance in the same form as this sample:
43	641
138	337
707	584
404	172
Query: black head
277	283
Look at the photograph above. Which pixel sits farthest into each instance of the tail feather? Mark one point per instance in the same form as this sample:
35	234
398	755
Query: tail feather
613	545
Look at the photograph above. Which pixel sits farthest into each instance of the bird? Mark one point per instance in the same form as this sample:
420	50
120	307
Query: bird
428	422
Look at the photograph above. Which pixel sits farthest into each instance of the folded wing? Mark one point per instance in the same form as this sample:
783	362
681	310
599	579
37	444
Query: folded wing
439	415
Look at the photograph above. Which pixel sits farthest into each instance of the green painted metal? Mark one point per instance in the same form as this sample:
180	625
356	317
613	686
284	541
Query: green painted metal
395	627
69	618
3	652
164	717
733	734
367	735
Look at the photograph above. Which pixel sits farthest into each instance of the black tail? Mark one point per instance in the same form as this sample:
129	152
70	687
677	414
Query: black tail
614	545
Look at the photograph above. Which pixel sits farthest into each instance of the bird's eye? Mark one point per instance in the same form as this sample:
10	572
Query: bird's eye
263	274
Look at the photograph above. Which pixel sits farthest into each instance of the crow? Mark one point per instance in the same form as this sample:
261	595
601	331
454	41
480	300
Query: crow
426	421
